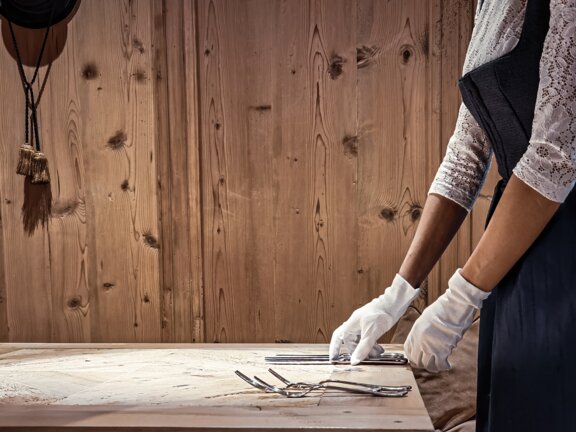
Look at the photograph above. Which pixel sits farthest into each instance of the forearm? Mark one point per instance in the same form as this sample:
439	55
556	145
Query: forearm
519	218
440	221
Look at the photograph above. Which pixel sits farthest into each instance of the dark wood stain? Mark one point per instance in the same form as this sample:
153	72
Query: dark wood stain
90	71
118	140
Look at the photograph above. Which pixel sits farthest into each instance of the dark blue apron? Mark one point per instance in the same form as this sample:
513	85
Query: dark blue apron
527	348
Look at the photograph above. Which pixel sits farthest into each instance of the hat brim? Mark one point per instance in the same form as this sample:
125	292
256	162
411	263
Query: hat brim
35	14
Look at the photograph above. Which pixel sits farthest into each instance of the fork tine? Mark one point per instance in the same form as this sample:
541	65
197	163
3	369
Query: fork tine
264	383
251	381
280	377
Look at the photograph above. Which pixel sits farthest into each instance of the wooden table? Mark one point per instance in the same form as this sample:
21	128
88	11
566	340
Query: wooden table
185	387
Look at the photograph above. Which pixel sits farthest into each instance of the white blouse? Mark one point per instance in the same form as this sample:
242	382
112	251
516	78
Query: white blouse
549	163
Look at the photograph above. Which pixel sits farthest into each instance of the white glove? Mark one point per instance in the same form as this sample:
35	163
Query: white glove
360	333
442	324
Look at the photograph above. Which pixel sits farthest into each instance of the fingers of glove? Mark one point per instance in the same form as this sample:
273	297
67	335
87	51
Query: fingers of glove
428	362
363	350
336	343
408	349
373	327
350	341
376	351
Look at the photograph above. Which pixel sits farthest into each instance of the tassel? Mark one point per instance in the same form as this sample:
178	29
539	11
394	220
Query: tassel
37	206
40	172
25	160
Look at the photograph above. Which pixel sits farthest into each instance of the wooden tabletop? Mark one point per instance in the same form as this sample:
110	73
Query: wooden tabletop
186	387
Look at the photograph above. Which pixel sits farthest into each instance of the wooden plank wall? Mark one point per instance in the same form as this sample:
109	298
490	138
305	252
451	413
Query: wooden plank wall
228	170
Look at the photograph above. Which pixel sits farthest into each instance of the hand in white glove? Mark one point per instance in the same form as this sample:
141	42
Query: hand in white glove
360	333
442	324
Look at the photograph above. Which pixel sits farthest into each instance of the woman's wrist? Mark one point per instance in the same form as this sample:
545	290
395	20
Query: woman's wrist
518	220
476	275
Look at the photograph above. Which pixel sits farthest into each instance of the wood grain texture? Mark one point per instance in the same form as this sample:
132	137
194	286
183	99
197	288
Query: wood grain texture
178	170
121	166
26	269
229	170
4	333
191	387
394	145
93	275
62	123
279	168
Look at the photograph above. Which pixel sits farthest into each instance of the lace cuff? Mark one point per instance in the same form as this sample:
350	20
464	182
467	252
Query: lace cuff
467	160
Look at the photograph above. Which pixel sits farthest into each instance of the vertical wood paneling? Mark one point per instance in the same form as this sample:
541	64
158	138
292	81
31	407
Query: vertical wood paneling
62	122
120	162
4	333
333	150
393	97
239	183
230	170
178	170
279	168
26	258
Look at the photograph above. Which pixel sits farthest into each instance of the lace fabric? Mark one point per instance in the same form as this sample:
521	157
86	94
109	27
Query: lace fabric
549	164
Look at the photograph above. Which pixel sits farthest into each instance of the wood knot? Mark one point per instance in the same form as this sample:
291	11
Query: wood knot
217	125
138	45
388	214
350	144
335	67
62	208
146	299
74	303
118	140
406	52
150	240
139	75
415	212
206	52
108	285
90	71
125	185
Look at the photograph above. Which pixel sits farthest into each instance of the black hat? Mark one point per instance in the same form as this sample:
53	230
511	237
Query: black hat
36	14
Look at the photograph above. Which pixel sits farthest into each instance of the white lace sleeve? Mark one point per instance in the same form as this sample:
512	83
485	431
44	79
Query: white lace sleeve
549	163
467	160
497	28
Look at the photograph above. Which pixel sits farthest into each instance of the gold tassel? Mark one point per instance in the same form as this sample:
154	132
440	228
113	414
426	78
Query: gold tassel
25	160
37	206
40	172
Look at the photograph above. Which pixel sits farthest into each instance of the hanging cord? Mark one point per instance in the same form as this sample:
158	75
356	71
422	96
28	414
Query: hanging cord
27	85
34	119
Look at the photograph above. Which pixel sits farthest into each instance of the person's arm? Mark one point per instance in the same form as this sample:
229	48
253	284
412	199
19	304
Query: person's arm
518	220
441	218
520	217
450	197
542	180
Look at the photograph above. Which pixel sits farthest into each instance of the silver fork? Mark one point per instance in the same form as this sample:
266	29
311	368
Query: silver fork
306	388
268	388
376	387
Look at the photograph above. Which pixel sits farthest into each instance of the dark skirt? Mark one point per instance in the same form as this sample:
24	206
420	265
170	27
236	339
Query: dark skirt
527	348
